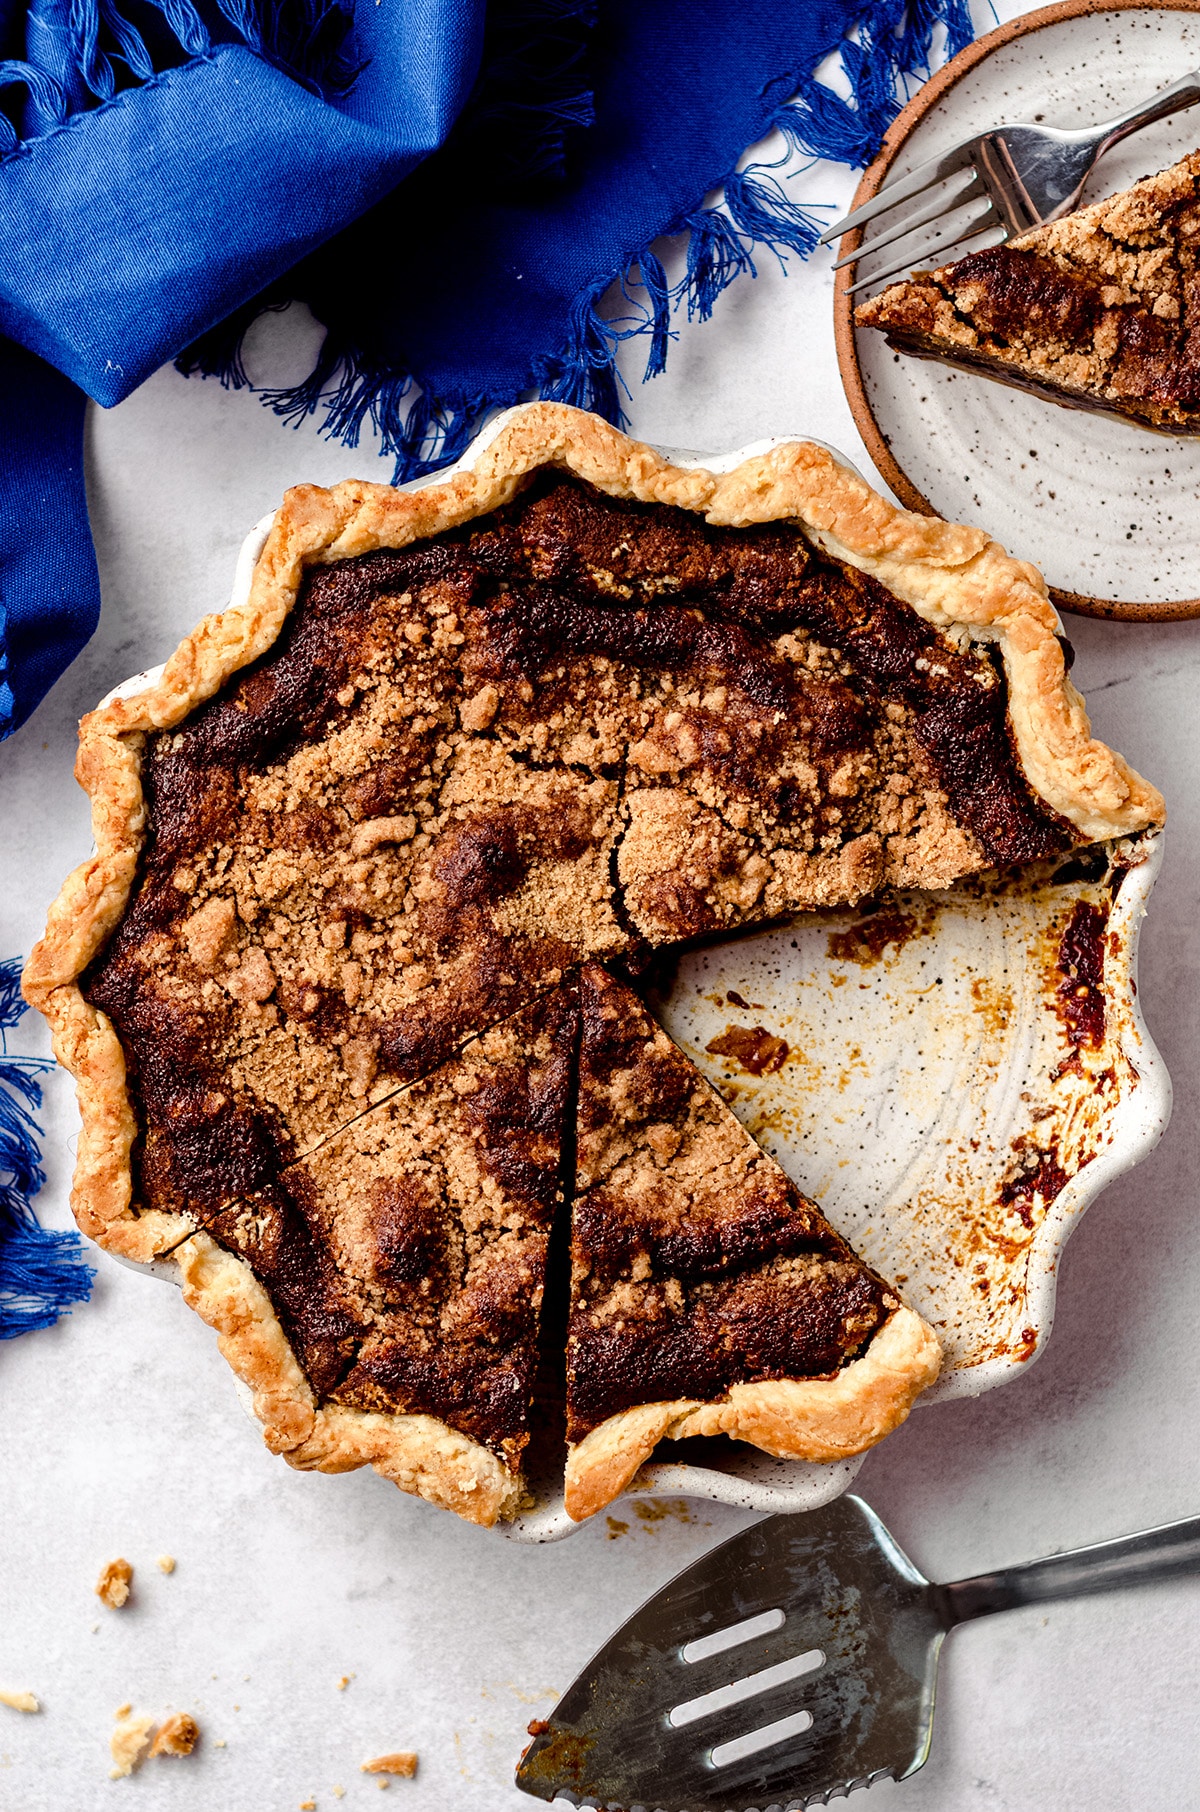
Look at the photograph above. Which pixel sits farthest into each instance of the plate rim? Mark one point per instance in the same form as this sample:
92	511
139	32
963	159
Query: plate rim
1172	610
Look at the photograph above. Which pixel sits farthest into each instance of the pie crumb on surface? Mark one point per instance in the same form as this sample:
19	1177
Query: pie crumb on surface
112	1587
166	1563
402	1761
19	1701
177	1735
344	1682
308	1805
122	1711
127	1745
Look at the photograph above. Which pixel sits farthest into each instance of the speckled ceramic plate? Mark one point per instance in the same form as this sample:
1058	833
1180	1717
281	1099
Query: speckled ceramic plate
917	1068
1108	511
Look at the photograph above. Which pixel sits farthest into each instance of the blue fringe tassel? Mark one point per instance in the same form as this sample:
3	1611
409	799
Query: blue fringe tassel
103	53
716	254
893	45
41	1272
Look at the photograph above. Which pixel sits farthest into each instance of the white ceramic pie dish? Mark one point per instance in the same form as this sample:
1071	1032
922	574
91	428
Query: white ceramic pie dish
909	1118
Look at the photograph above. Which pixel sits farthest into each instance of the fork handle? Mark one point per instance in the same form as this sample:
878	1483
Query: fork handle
1183	93
1130	1560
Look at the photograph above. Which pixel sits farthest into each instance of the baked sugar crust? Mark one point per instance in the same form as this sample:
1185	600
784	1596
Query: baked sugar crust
954	577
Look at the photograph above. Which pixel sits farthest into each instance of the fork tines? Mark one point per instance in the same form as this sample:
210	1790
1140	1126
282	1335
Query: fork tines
944	206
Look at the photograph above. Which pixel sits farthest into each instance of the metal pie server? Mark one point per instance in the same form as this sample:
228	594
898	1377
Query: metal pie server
791	1664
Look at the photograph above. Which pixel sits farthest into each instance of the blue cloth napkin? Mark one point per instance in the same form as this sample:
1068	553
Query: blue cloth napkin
452	187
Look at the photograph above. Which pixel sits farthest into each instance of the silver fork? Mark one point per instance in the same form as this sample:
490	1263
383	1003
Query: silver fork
1025	175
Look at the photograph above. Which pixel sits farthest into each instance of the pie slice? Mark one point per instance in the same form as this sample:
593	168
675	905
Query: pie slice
383	1296
1099	310
708	1295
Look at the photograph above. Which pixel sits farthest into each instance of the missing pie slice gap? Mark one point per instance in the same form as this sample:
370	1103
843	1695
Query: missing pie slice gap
708	1294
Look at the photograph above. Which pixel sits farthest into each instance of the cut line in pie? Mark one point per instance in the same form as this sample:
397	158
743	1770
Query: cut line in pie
350	986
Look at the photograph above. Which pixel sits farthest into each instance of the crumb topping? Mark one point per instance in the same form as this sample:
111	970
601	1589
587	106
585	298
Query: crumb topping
1101	306
695	1263
176	1735
559	735
128	1744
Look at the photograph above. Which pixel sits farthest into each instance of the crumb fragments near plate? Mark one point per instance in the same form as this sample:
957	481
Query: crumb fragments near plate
127	1744
19	1701
166	1563
112	1587
177	1735
402	1761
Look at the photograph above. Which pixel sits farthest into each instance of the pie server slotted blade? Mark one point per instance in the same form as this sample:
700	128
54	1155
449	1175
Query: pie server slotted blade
827	1685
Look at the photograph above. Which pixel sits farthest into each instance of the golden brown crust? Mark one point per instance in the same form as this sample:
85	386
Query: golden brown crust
815	1419
958	578
420	1454
403	1762
954	576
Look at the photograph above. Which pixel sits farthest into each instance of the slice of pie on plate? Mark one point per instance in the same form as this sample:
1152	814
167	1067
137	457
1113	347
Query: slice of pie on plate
568	704
1099	310
708	1295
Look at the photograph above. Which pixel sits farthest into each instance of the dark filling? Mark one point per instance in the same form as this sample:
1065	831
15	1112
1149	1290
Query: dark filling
1014	299
560	575
1013	377
691	1276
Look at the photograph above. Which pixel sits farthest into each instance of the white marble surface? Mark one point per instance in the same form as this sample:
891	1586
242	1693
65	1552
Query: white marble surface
120	1429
